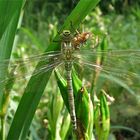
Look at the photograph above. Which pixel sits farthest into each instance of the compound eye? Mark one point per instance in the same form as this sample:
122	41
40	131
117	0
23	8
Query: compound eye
66	33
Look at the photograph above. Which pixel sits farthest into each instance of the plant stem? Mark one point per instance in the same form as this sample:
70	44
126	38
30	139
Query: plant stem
2	135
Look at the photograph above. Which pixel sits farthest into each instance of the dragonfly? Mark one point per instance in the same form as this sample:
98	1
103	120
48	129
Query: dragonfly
118	66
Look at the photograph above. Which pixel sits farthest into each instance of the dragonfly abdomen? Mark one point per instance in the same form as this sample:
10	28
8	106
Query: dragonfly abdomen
71	99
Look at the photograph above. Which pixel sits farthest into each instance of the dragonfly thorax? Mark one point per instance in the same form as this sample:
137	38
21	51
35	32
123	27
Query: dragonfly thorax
66	45
67	50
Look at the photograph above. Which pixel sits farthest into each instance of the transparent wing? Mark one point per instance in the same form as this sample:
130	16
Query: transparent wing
22	61
119	66
24	68
121	55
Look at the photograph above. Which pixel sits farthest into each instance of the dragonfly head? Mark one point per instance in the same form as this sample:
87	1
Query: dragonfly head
66	35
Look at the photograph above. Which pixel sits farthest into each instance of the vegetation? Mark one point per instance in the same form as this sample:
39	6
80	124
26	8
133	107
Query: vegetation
31	110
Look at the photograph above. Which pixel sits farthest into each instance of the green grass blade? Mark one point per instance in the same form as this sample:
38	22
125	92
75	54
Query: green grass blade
36	85
9	15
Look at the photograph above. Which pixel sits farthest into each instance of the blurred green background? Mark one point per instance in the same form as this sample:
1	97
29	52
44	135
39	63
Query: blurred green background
41	20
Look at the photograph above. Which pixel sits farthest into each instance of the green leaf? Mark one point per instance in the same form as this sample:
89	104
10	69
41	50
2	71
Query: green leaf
102	118
9	15
62	84
83	104
105	114
84	108
37	84
81	101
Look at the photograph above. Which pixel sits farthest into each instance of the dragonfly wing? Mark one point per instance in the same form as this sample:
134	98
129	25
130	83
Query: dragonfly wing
22	61
122	69
23	69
